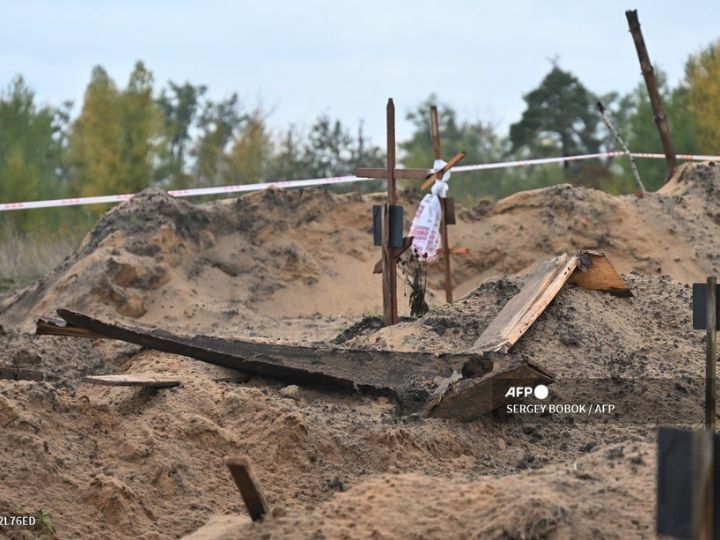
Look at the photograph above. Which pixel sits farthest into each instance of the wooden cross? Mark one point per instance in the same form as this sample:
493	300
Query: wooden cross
390	255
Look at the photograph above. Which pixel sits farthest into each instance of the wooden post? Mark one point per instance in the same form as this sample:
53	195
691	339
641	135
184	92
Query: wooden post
246	482
435	130
389	269
704	523
710	377
649	76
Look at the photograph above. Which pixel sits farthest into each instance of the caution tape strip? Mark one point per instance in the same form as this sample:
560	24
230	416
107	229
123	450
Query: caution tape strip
283	184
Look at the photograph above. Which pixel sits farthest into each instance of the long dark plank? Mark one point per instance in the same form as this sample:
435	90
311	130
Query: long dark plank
410	377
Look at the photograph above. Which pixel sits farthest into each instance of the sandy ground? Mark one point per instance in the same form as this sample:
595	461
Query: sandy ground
137	463
262	264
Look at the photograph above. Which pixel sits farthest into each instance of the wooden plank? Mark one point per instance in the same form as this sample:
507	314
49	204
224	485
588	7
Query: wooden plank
457	158
470	398
524	308
405	174
408	377
595	272
128	379
450	210
48	327
248	486
21	374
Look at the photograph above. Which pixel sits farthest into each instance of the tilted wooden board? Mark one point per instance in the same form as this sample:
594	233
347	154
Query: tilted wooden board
587	269
150	381
409	377
525	307
248	486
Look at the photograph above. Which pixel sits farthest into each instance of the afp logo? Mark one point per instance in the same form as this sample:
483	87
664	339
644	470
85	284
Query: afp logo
540	391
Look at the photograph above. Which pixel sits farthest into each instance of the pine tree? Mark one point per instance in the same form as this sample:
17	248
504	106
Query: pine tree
31	143
143	141
702	74
95	155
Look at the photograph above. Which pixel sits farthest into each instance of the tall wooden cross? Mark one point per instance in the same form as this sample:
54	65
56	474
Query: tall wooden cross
390	253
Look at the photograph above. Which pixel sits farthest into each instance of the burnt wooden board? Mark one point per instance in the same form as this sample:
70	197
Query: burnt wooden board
409	377
55	327
150	381
248	486
524	308
469	398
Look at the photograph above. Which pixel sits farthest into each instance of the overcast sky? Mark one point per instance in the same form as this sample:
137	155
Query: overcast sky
345	58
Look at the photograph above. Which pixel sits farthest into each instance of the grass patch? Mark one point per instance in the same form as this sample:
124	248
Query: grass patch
24	258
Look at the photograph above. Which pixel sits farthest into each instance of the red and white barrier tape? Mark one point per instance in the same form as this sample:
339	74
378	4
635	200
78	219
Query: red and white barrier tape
282	184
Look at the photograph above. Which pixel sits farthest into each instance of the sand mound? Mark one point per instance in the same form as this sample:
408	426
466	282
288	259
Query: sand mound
124	462
559	501
215	266
240	265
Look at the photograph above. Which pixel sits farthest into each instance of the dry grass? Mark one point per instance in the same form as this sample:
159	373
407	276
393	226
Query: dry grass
24	258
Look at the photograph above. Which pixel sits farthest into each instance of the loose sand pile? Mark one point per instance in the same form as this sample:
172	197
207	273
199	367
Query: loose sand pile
257	264
127	463
111	462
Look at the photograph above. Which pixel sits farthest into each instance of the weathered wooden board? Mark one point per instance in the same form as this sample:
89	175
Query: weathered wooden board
449	210
409	377
595	272
469	398
248	485
525	307
128	379
21	374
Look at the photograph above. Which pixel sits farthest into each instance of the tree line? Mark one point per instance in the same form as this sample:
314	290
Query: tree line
124	139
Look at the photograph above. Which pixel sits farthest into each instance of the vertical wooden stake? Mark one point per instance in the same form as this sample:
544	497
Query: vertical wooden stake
651	83
437	151
246	482
710	376
389	270
705	521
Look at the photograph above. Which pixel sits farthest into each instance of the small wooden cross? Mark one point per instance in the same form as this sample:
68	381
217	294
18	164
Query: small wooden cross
390	255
